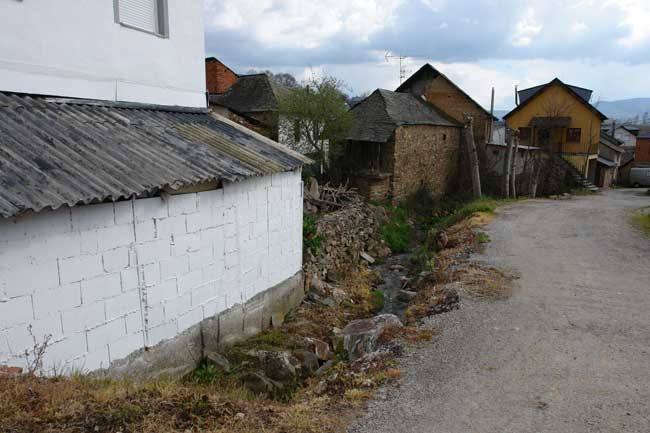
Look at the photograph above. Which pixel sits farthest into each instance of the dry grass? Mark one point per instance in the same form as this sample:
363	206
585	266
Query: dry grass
213	403
642	220
484	281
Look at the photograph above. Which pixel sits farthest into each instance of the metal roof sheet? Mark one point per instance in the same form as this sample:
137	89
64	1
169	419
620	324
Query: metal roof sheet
56	152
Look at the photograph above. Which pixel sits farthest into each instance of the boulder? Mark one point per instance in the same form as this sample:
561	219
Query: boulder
361	336
308	362
218	360
258	383
406	295
320	348
280	366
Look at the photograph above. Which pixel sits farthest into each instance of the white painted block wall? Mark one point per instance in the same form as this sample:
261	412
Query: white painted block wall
106	280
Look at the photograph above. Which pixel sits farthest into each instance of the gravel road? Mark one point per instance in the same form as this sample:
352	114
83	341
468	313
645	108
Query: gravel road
569	352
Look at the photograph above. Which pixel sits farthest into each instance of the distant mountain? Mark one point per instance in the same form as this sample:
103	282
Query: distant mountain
626	109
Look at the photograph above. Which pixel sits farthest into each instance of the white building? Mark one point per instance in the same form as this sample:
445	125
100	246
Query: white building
126	226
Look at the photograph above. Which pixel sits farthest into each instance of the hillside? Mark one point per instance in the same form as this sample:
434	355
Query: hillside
626	109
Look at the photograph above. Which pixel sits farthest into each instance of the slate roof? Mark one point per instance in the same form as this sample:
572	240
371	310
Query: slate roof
611	142
250	94
644	134
56	152
578	92
377	116
526	94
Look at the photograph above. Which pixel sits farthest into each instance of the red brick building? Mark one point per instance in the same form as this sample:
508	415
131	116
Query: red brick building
219	77
642	152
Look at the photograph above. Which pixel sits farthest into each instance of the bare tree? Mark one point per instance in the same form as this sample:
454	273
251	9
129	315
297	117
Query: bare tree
473	156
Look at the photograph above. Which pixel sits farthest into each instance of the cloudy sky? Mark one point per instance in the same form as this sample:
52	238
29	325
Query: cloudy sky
600	44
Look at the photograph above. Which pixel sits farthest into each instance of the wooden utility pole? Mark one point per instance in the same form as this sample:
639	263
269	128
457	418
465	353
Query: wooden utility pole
473	157
513	172
507	165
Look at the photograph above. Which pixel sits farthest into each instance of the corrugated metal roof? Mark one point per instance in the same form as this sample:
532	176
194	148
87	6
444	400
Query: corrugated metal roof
56	152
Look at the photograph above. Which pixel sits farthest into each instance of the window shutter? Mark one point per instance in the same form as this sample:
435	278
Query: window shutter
142	14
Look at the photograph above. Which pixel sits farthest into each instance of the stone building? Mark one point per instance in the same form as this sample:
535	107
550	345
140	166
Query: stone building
399	144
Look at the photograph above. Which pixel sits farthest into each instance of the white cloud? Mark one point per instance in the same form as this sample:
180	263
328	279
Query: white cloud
636	21
526	29
297	23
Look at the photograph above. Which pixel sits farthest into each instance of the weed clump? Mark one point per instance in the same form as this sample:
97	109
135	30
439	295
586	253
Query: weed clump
396	230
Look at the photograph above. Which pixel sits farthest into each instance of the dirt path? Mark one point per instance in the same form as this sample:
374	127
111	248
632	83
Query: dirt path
569	352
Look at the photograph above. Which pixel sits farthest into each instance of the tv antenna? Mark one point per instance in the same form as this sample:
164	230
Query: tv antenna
402	67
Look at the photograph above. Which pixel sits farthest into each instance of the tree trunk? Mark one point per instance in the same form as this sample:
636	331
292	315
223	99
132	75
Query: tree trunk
473	158
507	165
513	175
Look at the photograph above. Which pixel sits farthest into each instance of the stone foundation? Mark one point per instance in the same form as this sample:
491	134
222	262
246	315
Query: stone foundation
180	355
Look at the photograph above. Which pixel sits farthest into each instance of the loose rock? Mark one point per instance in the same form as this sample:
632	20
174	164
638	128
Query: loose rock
445	299
258	383
360	336
218	360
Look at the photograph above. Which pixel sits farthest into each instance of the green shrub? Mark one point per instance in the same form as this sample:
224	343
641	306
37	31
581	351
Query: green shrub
482	237
311	239
396	231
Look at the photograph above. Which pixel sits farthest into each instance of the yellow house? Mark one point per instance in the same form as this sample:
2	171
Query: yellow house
559	118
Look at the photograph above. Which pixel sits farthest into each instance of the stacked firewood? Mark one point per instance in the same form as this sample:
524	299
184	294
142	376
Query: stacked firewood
327	198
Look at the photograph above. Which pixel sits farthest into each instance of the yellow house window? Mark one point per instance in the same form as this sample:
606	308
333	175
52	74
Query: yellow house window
573	135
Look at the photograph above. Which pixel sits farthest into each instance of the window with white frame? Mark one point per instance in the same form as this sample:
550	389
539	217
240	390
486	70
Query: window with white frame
146	15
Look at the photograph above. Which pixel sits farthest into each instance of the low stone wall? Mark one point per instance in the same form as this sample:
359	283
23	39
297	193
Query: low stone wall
346	234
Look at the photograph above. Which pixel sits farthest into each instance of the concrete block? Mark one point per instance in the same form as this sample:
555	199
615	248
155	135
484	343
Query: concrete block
281	298
124	212
129	279
169	289
189	281
145	231
62	351
83	317
213	272
200	259
134	322
185	243
19	339
48	328
95	359
123	347
89	241
155	315
52	301
174	267
79	268
105	333
150	208
214	307
122	304
116	236
88	217
178	306
201	221
116	260
100	288
15	311
203	294
24	278
36	225
166	331
208	201
190	318
173	225
182	204
151	274
153	251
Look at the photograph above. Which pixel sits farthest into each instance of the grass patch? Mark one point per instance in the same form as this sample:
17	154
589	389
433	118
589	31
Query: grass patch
311	239
482	238
378	300
397	230
642	220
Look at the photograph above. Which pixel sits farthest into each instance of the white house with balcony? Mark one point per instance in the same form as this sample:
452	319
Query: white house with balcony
137	231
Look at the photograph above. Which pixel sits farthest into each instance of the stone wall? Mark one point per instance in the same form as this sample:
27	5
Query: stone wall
425	156
106	280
